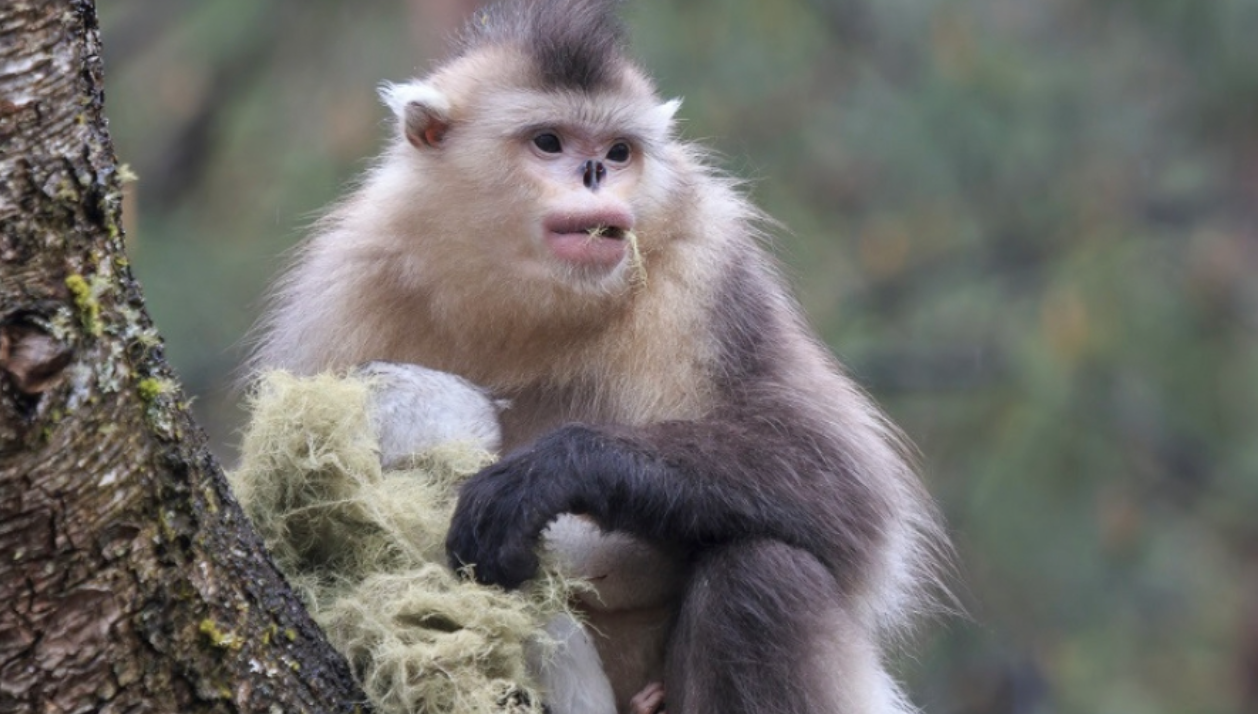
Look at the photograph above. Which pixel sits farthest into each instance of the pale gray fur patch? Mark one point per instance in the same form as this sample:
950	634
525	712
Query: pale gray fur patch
414	409
570	670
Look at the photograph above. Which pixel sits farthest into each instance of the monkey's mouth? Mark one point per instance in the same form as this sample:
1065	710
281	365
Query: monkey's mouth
595	239
614	225
612	232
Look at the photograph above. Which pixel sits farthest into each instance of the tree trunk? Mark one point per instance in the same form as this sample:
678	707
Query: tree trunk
129	579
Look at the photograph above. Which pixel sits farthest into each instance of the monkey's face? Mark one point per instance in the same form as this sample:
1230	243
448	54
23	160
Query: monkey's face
583	174
587	181
583	169
559	188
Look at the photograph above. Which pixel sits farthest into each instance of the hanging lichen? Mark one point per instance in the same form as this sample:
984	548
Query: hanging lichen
364	548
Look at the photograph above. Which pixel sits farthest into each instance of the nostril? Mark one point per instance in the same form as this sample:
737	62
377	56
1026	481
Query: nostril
592	174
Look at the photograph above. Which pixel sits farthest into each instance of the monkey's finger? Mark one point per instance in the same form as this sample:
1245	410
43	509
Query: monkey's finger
648	701
497	556
508	568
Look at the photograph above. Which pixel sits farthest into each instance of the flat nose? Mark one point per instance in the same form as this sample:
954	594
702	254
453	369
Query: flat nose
592	174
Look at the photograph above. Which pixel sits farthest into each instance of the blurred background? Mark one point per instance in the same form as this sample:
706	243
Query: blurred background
1030	228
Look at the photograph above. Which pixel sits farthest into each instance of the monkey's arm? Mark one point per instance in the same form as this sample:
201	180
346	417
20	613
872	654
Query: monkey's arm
690	484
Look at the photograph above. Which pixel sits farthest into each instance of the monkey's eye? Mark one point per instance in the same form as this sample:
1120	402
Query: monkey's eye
619	153
548	143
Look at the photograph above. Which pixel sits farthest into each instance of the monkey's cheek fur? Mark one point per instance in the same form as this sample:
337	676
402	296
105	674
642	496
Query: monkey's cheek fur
588	251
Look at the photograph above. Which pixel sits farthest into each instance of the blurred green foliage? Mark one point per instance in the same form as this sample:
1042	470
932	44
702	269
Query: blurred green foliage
1030	228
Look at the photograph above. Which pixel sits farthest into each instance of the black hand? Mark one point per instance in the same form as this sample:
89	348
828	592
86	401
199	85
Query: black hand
493	528
503	509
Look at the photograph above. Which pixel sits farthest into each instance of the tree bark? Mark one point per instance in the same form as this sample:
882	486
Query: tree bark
129	578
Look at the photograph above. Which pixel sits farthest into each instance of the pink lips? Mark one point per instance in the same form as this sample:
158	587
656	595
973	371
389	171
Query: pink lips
596	239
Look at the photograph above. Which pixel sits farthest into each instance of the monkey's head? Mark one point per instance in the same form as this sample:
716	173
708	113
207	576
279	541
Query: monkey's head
539	154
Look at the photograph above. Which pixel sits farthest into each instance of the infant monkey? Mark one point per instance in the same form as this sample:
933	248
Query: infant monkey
748	518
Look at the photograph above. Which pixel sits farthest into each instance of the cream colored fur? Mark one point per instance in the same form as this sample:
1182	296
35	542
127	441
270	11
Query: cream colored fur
435	259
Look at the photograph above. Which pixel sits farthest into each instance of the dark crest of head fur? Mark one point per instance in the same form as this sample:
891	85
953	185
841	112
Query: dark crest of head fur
575	44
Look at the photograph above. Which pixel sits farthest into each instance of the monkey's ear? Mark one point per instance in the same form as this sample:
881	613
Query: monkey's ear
669	109
423	111
665	112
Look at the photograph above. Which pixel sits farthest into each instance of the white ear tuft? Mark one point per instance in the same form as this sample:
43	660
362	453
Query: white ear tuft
397	96
660	117
423	111
669	109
